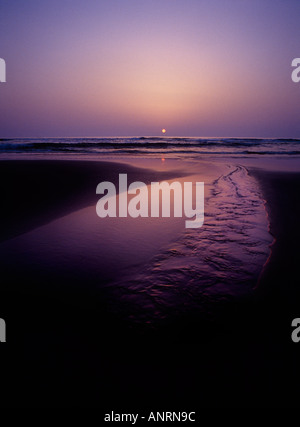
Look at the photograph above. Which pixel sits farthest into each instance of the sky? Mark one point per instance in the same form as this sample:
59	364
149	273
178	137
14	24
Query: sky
132	67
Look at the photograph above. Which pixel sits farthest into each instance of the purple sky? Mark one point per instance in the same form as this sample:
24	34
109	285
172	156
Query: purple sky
133	67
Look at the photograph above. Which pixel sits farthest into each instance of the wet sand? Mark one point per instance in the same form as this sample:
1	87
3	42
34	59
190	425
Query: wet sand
34	192
71	350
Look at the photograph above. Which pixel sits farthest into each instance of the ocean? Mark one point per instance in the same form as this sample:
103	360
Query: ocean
175	147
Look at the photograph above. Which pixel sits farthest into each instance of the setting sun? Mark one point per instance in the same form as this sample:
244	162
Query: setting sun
163	131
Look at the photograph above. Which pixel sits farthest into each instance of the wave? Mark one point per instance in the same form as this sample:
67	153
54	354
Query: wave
140	145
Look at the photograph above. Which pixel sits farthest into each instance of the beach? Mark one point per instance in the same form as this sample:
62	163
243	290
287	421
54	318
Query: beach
123	314
149	221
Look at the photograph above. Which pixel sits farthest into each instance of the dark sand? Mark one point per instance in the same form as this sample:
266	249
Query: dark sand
72	351
278	291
